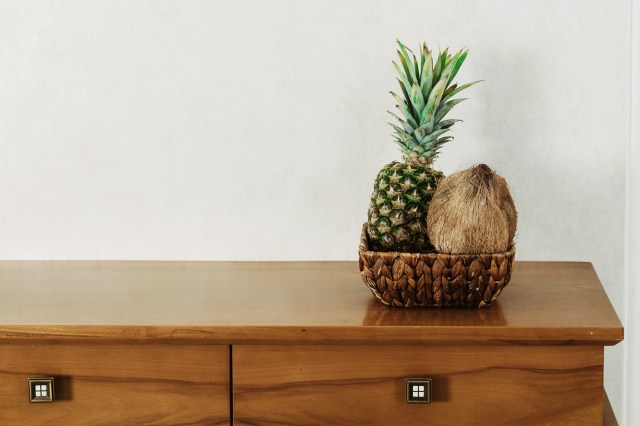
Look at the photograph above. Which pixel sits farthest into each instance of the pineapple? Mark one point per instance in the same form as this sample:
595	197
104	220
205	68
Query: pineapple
402	190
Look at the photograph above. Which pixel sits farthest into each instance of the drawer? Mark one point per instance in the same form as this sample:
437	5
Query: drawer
116	383
366	384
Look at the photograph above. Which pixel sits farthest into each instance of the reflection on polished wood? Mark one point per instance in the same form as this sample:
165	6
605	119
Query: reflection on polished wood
309	344
312	302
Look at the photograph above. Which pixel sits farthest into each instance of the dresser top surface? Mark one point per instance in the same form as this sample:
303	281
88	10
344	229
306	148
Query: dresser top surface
236	302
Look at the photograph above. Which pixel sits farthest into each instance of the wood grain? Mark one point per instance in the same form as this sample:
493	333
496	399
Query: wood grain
286	302
481	385
116	384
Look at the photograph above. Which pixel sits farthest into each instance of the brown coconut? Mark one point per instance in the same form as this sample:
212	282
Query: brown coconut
472	212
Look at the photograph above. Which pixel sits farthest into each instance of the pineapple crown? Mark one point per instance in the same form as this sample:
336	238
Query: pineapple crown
427	100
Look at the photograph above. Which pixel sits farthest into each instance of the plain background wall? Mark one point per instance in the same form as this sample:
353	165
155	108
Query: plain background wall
631	372
254	129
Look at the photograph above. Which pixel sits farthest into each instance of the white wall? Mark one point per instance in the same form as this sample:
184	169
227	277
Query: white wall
631	344
254	129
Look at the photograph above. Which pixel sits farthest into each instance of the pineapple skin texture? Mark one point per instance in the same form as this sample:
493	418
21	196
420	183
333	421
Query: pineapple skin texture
398	209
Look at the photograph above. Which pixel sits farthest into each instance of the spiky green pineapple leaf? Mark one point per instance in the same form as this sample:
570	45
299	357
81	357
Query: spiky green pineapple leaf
450	65
406	67
448	90
427	86
457	90
417	99
444	140
445	124
406	62
440	64
403	77
405	93
408	140
403	123
427	118
444	110
457	65
404	135
431	137
416	68
401	144
404	109
410	105
396	128
403	139
426	77
446	62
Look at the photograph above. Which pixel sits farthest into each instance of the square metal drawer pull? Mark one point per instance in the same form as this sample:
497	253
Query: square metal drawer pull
418	391
41	389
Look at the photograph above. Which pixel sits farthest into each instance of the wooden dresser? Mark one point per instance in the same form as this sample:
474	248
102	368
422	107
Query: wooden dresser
294	343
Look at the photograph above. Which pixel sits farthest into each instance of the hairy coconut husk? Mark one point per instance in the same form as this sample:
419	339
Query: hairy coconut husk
472	212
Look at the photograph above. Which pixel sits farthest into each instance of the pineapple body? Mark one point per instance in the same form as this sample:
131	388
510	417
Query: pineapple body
399	203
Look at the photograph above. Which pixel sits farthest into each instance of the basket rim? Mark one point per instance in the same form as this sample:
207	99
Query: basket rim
364	249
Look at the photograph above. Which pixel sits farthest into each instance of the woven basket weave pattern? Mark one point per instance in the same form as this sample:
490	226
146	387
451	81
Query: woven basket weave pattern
434	279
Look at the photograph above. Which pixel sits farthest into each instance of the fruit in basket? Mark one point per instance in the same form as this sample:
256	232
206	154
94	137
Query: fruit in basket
403	189
472	212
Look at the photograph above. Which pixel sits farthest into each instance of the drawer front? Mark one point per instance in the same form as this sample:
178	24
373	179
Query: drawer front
116	383
366	384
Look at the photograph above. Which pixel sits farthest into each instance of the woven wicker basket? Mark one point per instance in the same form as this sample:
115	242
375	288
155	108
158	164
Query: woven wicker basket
434	279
